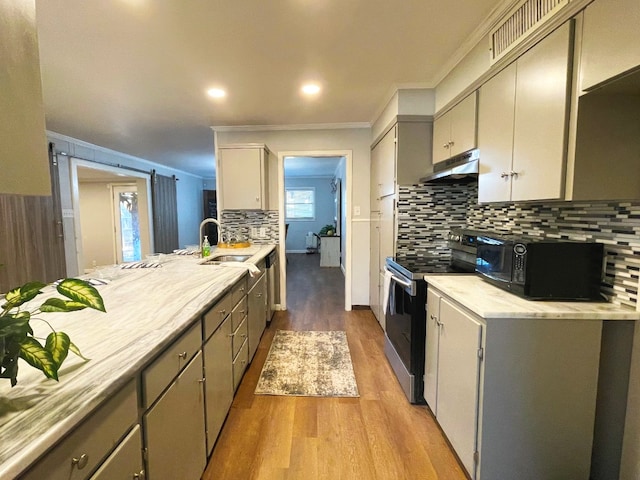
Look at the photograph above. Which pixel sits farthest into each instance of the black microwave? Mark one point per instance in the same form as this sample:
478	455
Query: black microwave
541	269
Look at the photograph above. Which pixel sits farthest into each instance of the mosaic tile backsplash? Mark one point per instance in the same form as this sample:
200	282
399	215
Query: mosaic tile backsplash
243	221
427	212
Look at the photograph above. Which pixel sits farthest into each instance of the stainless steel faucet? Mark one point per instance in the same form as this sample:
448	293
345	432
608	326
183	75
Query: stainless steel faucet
202	224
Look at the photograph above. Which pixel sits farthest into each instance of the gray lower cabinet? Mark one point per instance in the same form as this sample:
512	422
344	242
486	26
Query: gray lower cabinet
218	372
516	397
78	455
257	313
126	460
175	428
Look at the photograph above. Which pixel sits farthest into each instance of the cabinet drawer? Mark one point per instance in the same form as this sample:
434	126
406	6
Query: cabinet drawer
239	337
157	376
76	456
125	461
262	265
216	314
240	364
238	313
239	290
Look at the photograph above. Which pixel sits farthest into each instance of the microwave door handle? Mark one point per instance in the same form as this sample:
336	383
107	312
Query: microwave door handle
402	282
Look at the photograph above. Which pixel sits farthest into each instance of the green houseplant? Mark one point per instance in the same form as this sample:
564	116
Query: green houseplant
17	339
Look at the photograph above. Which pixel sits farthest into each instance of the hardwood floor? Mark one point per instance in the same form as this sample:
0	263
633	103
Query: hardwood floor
378	436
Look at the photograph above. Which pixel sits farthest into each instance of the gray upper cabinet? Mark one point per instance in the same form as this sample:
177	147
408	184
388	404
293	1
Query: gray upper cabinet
23	142
610	42
243	177
455	131
522	126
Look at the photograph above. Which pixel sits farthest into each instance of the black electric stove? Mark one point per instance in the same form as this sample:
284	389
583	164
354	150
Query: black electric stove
405	315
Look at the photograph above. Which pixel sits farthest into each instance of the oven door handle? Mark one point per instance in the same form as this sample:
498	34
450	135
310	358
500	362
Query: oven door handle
404	283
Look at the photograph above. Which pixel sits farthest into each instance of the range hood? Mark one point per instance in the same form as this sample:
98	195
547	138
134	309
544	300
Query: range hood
459	169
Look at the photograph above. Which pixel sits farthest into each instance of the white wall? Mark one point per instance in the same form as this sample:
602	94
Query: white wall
96	216
358	140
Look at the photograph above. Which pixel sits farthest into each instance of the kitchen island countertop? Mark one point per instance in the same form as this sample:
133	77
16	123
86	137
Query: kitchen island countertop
489	301
147	309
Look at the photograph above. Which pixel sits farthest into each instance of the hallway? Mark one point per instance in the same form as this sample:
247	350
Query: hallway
378	436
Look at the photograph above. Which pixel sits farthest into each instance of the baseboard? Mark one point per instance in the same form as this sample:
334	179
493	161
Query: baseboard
296	251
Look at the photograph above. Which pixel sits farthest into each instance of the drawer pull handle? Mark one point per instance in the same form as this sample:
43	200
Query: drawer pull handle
241	311
139	475
80	461
182	355
223	312
201	380
258	295
232	334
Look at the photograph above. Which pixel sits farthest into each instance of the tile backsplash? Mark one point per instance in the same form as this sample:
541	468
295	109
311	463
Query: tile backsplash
427	212
243	221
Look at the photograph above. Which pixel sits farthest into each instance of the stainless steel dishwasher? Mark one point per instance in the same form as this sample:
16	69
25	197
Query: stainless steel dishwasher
273	282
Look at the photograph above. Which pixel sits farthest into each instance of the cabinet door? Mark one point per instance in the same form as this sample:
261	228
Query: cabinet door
441	138
385	151
458	380
541	118
463	126
218	372
175	436
381	314
241	178
125	462
431	351
610	40
257	314
495	136
387	229
374	267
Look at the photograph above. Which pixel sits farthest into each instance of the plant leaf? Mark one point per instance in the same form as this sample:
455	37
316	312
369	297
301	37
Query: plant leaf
61	305
20	295
38	357
81	292
74	348
58	346
15	326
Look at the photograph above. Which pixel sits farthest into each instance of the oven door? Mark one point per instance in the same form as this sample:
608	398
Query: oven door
398	319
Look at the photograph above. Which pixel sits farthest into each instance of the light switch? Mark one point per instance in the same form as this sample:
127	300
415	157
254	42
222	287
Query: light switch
263	232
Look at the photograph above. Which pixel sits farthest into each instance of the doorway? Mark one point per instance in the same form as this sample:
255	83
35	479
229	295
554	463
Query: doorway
111	212
322	177
127	223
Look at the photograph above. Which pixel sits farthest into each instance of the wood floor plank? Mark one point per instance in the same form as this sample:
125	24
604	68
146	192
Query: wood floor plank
378	436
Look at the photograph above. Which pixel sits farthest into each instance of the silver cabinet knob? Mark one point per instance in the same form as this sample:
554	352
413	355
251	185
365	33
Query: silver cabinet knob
513	174
80	462
446	145
451	143
504	175
182	355
139	476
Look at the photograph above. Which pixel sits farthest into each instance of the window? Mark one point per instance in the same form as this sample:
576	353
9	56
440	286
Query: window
300	203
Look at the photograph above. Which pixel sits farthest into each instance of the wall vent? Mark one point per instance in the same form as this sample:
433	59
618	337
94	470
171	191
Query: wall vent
522	20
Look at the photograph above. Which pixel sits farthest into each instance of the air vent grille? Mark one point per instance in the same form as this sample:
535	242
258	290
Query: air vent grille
523	20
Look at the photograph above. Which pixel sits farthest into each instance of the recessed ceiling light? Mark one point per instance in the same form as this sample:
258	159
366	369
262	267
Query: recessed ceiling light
216	93
311	89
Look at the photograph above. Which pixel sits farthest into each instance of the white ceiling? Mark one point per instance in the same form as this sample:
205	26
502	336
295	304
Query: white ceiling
131	75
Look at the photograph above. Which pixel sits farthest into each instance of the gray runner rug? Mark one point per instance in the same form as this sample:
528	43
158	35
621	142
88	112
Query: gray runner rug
308	364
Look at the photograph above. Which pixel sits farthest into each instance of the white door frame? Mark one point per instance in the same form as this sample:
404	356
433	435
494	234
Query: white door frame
347	230
144	199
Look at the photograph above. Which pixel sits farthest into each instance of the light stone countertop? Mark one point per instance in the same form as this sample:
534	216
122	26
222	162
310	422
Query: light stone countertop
488	301
147	308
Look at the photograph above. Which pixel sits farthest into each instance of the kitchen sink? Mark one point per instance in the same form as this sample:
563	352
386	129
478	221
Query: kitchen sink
226	258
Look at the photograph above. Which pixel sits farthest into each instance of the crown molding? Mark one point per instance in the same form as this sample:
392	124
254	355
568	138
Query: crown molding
309	126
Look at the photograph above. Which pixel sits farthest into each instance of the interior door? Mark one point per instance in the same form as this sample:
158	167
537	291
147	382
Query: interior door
458	380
